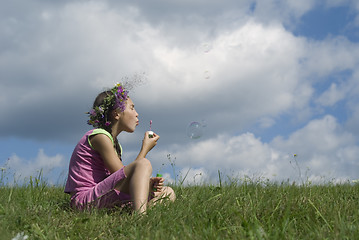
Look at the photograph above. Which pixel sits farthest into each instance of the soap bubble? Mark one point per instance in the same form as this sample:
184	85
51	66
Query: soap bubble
195	130
206	74
206	47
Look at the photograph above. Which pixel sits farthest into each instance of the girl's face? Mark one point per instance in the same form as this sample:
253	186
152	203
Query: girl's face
129	118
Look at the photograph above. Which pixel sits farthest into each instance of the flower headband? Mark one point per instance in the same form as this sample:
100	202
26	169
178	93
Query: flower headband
116	100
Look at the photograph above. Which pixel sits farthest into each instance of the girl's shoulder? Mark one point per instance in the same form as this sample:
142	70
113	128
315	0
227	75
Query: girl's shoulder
101	131
97	131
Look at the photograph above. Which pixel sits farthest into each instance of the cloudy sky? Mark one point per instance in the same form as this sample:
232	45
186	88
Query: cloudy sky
273	85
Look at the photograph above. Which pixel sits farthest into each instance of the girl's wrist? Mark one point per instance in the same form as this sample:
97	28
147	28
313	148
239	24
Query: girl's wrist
142	154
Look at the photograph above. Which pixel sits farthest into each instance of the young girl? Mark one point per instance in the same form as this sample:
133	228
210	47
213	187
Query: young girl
97	176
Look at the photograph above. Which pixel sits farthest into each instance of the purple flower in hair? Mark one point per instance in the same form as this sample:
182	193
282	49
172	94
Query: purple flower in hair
92	112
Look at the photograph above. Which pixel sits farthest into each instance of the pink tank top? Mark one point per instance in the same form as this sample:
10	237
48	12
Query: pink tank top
86	167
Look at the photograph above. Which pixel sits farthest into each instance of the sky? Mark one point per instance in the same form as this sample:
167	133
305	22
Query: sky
271	86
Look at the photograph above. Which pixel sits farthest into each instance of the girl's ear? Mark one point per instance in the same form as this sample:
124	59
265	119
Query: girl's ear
116	114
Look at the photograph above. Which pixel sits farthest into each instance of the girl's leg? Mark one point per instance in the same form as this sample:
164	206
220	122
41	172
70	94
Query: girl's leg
137	183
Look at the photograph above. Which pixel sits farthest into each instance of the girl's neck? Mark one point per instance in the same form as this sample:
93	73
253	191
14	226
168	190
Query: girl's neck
115	130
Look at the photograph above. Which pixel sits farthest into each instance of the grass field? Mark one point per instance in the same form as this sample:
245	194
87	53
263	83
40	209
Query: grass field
236	210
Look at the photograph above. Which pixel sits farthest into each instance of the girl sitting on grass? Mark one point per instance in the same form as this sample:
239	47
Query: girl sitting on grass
97	177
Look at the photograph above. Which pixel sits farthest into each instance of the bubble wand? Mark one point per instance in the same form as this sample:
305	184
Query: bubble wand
150	133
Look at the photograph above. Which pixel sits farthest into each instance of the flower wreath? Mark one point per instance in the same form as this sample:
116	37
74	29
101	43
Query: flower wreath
116	100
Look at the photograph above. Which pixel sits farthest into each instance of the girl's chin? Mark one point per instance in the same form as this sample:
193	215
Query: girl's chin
130	130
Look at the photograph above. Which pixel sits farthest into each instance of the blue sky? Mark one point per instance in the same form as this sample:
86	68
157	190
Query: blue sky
322	22
270	79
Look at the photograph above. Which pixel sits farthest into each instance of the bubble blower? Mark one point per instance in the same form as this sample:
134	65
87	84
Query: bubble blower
157	175
150	133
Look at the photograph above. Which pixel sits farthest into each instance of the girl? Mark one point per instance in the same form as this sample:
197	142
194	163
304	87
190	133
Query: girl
97	176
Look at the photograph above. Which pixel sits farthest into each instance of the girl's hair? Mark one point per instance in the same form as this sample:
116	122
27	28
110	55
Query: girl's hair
97	103
104	104
106	113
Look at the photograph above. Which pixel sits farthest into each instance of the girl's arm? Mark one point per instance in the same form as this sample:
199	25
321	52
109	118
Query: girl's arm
147	145
103	145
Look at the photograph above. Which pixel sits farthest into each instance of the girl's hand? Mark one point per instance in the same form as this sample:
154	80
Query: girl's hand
156	184
148	143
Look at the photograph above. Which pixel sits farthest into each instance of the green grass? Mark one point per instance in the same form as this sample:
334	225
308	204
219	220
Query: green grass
247	210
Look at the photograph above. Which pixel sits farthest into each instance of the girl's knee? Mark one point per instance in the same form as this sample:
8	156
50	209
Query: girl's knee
144	164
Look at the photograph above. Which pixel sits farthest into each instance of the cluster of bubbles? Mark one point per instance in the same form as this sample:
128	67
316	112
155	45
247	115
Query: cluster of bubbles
206	48
195	130
136	80
131	82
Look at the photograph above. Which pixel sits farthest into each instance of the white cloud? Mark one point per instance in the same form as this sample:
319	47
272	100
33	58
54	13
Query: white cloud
331	55
320	136
320	146
334	94
254	72
321	150
41	164
236	155
266	122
